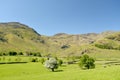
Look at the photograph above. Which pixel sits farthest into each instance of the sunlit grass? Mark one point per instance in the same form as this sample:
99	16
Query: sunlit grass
36	71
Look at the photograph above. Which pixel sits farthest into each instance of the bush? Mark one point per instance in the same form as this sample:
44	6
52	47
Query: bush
51	64
104	46
86	62
60	62
18	59
38	54
42	60
34	60
4	54
33	54
65	46
20	53
12	53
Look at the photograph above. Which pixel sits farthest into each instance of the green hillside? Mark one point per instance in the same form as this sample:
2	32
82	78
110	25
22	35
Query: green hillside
18	37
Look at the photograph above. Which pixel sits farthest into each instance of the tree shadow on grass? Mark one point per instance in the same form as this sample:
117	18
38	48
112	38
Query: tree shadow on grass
13	62
58	71
63	65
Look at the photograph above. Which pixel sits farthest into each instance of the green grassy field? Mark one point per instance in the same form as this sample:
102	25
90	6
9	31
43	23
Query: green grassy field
36	71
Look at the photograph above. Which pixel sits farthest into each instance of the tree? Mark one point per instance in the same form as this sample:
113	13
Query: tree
34	60
42	60
86	62
51	63
60	62
20	53
12	53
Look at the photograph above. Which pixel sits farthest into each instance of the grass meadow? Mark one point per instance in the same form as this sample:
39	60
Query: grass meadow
37	71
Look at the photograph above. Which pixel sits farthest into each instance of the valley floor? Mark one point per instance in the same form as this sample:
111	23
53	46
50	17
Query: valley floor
37	71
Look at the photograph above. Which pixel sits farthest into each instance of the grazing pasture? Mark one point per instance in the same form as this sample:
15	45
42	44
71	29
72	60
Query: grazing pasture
37	71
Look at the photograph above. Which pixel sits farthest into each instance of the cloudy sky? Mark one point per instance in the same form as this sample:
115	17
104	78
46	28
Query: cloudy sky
49	17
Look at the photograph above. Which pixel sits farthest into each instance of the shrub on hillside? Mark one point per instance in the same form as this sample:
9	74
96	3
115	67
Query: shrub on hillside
20	53
104	46
37	54
12	53
65	46
115	36
4	54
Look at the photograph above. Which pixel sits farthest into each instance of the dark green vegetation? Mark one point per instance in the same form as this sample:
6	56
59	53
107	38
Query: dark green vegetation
86	62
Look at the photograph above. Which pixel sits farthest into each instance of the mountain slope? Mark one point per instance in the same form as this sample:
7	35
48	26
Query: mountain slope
18	37
15	36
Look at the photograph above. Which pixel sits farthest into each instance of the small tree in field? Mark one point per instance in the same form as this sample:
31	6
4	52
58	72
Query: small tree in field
51	64
86	62
42	60
60	62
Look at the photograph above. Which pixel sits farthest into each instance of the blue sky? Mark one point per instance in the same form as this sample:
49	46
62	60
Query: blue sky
49	17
